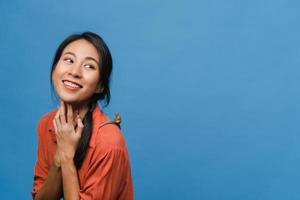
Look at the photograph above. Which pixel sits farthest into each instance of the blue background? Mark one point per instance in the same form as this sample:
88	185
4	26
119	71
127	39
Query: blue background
208	91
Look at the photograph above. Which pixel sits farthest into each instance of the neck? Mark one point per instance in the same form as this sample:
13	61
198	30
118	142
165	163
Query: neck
80	109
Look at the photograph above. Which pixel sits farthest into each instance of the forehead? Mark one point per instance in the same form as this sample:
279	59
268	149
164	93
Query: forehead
82	49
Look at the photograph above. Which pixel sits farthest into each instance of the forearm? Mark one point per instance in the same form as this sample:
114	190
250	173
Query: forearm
70	180
52	187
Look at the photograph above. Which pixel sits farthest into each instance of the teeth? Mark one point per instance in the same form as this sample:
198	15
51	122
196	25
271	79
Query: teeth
71	84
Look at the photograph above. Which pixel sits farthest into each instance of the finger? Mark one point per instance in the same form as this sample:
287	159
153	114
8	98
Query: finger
79	126
54	125
57	125
69	114
62	112
57	114
56	121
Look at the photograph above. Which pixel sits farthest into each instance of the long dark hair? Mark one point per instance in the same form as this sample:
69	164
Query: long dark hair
104	72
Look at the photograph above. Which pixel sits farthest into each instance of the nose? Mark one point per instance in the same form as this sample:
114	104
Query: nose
75	71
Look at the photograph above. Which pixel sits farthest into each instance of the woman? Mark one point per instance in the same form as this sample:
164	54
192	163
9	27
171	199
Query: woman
81	153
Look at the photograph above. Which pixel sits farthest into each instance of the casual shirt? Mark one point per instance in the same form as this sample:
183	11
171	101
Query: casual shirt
105	173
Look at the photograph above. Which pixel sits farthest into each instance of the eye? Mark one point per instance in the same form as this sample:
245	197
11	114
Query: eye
89	66
69	60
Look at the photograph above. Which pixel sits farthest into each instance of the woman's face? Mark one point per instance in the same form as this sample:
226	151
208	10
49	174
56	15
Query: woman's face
76	75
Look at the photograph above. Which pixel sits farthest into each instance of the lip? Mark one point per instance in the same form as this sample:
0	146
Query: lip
73	83
70	87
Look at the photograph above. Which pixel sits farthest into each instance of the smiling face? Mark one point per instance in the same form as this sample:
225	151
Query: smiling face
77	72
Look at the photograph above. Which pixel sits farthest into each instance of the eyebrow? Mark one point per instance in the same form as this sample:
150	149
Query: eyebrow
91	58
87	58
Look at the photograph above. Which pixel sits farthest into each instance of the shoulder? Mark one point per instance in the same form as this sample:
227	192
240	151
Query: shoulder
109	136
47	116
45	121
105	135
109	144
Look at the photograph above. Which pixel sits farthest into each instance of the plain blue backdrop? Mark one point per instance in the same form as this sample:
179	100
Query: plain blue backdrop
208	91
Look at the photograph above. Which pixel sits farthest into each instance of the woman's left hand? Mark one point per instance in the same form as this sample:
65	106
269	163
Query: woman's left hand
68	132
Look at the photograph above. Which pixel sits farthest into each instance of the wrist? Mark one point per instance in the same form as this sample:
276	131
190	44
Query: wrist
66	153
66	159
63	157
56	160
57	164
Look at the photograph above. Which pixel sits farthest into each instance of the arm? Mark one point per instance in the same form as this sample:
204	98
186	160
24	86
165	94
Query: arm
70	179
52	187
67	140
47	183
62	176
108	176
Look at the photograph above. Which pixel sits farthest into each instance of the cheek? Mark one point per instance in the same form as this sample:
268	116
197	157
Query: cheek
55	77
94	83
58	71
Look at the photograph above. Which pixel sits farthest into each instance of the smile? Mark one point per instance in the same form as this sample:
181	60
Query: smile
71	85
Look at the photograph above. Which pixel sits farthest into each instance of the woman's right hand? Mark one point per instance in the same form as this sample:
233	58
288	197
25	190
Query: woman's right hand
67	132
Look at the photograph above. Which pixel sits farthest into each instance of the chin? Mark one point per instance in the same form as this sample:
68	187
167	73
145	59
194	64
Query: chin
68	99
72	100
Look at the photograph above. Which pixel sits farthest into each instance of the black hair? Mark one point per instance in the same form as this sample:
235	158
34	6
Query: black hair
105	67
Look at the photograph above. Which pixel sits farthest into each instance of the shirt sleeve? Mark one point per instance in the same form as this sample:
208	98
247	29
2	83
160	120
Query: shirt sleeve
41	168
106	177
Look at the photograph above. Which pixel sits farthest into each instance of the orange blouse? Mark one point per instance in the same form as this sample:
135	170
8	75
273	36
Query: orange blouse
105	172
